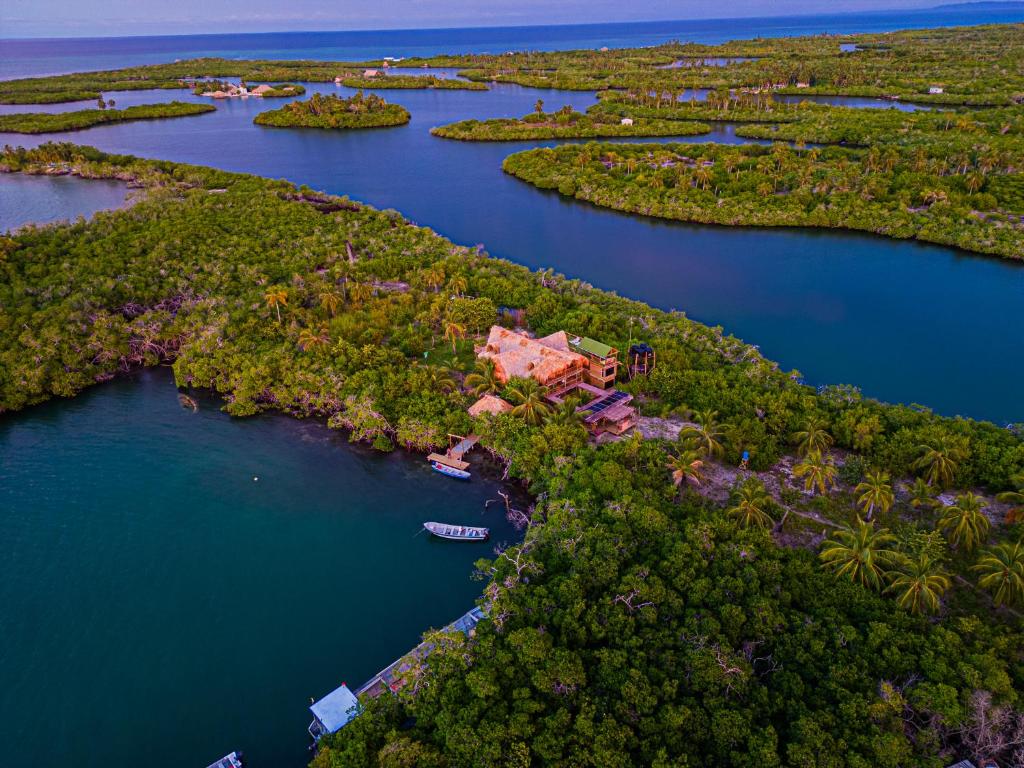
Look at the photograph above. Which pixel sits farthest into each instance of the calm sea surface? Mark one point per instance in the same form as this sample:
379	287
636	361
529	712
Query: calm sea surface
160	605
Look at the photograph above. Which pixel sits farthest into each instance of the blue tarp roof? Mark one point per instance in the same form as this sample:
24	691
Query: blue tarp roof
336	709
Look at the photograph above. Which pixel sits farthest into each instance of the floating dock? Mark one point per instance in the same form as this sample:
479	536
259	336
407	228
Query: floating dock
341	706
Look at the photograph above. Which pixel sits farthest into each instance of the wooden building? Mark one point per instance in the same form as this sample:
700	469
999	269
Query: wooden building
548	360
602	361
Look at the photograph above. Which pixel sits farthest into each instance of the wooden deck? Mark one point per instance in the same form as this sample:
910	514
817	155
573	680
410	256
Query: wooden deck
453	456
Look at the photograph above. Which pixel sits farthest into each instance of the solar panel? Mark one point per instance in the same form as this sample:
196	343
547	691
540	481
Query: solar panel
601	405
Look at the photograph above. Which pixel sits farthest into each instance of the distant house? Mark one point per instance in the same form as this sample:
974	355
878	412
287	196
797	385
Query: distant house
626	121
490	404
371	72
338	79
803	85
935	89
603	49
259	90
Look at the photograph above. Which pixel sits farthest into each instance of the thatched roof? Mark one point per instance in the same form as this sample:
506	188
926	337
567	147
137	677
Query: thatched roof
545	360
489	404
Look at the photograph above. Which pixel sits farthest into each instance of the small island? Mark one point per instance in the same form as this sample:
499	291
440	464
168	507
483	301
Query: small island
359	111
54	122
218	89
880	191
566	123
372	78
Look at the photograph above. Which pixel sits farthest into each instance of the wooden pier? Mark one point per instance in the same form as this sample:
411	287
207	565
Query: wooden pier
338	708
458	446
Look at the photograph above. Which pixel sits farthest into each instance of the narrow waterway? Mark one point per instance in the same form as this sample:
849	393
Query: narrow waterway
160	605
892	317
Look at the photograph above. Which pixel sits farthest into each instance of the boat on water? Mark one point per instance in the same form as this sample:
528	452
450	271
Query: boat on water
234	760
444	469
457	532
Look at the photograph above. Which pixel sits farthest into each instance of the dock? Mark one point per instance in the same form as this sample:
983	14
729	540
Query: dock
458	446
338	708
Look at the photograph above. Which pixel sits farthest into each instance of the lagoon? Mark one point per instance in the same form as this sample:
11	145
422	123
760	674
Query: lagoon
45	199
160	605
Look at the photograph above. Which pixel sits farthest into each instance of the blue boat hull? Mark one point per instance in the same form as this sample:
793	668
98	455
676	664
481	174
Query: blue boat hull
458	474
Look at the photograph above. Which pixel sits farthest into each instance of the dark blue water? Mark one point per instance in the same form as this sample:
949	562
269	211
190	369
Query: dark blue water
161	608
24	58
889	316
43	199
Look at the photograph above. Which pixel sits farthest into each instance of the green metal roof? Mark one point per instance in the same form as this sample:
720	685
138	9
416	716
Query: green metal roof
590	346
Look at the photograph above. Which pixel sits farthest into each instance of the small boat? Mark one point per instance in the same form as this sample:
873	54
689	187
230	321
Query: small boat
234	760
457	532
444	469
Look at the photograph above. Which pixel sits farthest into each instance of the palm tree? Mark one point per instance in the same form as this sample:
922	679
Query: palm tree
874	491
707	433
528	401
434	277
453	332
329	301
862	555
818	472
702	177
484	380
1016	498
565	414
919	584
457	285
813	438
1002	572
939	462
922	495
965	524
686	466
359	292
275	298
440	379
752	501
313	339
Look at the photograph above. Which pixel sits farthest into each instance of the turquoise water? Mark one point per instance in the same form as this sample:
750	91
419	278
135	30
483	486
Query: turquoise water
44	199
160	607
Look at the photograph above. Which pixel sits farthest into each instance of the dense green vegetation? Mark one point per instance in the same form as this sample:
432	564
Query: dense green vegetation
946	200
179	74
50	122
406	82
566	123
972	65
359	111
639	623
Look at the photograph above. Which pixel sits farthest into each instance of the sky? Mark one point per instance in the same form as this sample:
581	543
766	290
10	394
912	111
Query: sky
86	18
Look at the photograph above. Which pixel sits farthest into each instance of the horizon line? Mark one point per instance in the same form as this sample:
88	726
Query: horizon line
370	30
